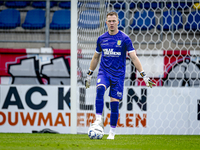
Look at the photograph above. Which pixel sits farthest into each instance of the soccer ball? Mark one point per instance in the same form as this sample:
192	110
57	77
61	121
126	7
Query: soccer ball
95	132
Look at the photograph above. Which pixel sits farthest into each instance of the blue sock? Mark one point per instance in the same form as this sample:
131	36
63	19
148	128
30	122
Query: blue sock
114	113
99	99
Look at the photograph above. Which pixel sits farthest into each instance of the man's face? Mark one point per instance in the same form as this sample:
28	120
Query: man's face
112	23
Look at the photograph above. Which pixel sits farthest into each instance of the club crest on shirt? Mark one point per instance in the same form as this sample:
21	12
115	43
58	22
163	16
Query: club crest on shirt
119	42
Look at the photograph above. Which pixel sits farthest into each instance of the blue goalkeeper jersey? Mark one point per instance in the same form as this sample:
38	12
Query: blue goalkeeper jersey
113	49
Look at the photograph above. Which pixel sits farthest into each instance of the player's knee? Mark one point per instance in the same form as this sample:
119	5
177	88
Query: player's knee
100	92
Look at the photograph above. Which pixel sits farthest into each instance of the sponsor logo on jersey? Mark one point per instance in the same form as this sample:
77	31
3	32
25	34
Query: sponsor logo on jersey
98	80
110	52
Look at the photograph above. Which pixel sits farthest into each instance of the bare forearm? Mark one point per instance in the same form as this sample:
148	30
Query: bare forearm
137	64
136	61
94	62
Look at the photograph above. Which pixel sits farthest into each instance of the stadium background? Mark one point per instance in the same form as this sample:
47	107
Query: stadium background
35	65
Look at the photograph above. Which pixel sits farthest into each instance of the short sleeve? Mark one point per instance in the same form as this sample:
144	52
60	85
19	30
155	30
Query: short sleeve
129	45
98	47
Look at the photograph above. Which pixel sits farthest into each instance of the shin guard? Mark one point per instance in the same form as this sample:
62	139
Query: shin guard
114	113
100	99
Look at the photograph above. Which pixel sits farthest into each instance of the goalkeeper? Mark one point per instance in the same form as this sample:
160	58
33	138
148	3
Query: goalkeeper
113	46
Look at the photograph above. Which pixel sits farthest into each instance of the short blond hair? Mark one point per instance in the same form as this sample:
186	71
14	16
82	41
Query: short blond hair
112	13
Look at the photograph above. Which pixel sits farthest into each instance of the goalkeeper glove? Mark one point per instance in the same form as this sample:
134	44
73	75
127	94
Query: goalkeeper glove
147	80
88	79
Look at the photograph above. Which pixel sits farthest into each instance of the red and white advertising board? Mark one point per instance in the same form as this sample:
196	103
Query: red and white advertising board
24	108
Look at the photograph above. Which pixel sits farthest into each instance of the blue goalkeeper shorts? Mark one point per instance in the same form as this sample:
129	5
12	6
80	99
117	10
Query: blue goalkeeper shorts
116	84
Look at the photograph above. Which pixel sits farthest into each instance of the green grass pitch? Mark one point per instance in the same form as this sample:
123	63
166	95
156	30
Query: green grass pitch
38	141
